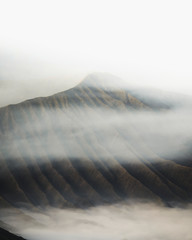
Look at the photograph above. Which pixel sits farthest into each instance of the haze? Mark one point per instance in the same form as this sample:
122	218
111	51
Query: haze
49	46
121	221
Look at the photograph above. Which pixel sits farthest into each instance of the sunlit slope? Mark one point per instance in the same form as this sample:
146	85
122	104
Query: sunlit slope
73	150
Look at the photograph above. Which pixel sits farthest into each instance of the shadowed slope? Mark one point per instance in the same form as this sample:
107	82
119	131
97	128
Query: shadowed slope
5	235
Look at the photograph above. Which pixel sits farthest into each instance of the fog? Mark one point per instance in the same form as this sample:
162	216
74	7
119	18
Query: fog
49	46
133	221
64	132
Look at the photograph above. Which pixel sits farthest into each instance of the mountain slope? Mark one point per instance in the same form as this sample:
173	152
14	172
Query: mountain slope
5	235
86	146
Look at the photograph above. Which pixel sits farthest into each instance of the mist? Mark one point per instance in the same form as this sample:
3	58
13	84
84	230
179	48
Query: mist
60	133
47	47
133	221
144	43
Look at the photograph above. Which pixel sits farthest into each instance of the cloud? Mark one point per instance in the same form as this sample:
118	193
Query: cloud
133	221
66	40
59	133
24	77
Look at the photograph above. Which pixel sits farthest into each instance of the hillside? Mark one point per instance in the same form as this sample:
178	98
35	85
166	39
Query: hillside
5	235
90	145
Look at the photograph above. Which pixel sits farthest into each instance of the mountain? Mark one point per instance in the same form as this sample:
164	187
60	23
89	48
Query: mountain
5	235
90	145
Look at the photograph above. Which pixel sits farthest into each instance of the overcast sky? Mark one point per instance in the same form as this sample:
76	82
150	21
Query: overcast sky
49	46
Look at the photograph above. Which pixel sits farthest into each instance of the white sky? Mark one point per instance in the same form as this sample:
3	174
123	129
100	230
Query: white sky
54	44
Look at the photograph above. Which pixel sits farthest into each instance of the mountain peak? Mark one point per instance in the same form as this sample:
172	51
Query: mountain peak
102	80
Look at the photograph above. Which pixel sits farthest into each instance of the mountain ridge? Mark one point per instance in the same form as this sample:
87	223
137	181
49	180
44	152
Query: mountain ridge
75	149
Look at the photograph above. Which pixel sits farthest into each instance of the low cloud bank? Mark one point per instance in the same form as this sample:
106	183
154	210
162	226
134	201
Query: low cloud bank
117	222
125	135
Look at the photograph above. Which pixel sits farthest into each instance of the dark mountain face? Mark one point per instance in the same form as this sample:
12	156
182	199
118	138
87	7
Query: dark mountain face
5	235
94	145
